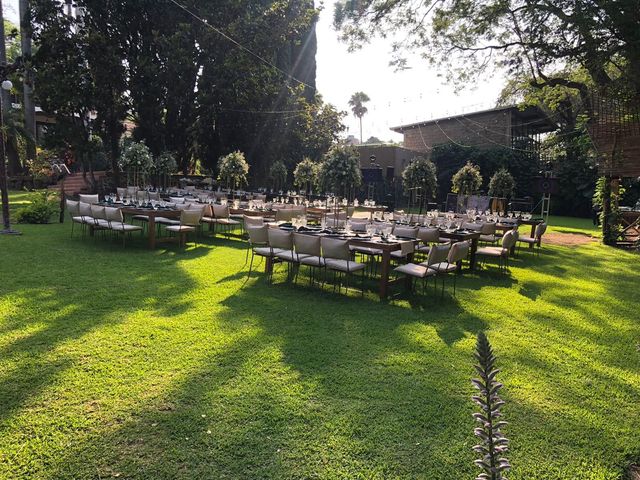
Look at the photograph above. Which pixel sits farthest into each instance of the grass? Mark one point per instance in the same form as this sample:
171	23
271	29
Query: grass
162	365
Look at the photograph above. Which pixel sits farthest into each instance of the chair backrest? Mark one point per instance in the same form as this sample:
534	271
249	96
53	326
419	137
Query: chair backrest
509	239
335	248
113	214
142	195
488	228
458	252
207	211
260	197
438	254
258	235
283	215
131	191
350	211
306	244
250	221
84	209
88	198
429	235
176	200
73	207
409	232
122	192
190	188
476	227
358	225
190	218
540	230
154	195
220	211
280	239
98	212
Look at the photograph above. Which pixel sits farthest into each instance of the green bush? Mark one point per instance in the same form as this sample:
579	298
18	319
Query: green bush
43	205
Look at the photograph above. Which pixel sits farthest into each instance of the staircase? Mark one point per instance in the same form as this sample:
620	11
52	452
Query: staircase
75	183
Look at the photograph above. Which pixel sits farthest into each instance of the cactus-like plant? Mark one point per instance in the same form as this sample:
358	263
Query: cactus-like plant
493	444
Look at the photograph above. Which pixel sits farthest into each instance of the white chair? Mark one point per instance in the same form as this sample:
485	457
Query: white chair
116	223
259	245
337	257
408	248
540	230
73	207
437	254
428	236
122	192
308	251
221	217
189	222
281	245
488	233
86	198
458	252
501	253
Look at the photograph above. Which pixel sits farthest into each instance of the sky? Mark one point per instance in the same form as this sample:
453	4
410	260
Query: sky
397	98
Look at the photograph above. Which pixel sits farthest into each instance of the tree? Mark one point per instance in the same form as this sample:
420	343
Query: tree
502	184
304	175
339	172
420	174
356	102
467	180
233	169
278	175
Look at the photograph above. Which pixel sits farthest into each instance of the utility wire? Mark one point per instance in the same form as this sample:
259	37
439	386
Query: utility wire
239	45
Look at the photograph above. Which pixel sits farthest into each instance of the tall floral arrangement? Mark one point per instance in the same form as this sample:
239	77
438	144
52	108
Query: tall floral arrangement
233	169
502	184
420	174
164	165
340	171
467	180
137	161
278	174
305	174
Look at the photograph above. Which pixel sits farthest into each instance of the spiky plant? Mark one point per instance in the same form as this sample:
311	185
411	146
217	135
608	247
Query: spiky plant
493	444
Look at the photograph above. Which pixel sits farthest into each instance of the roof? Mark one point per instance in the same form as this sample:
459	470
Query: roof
532	116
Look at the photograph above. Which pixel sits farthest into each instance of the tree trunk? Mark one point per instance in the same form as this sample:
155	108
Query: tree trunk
4	192
13	156
29	105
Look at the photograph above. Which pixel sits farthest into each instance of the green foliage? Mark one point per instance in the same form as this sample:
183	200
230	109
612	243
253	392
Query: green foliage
611	223
340	172
278	174
502	184
165	163
136	156
42	206
493	443
467	180
420	173
356	102
305	173
233	169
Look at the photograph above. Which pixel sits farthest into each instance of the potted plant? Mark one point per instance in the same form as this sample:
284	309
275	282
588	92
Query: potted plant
137	161
420	174
305	173
339	173
467	180
233	169
278	174
164	165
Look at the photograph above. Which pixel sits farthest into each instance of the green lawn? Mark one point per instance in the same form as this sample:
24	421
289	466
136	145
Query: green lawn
165	365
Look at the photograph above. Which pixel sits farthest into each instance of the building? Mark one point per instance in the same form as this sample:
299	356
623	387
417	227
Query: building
391	158
508	127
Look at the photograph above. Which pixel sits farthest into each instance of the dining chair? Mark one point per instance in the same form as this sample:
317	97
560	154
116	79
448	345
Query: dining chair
308	251
73	207
488	233
116	223
337	257
222	218
405	233
502	252
457	253
437	254
189	222
536	240
259	245
281	244
428	236
122	193
89	198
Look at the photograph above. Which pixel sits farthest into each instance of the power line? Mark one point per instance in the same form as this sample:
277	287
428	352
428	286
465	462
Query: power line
239	45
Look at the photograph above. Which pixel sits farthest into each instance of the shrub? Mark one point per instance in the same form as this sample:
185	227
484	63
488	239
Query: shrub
305	173
43	205
421	173
502	184
278	174
493	444
233	169
467	180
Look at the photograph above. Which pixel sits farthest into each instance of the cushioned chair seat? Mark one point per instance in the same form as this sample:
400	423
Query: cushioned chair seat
492	251
443	267
366	250
528	240
344	265
414	270
267	251
397	254
101	223
290	256
181	228
489	238
141	217
423	249
167	221
82	219
312	261
124	227
227	221
208	220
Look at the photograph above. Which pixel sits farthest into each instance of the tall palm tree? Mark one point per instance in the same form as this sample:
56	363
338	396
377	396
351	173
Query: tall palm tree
356	103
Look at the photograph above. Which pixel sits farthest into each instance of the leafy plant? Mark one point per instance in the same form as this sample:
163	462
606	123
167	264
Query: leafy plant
305	173
467	180
233	169
165	163
611	223
493	444
340	170
43	205
278	174
136	160
420	173
502	184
